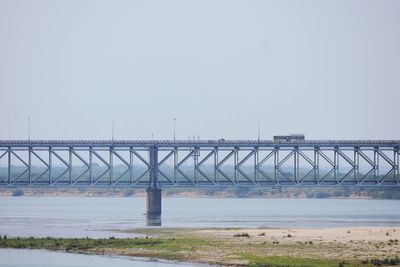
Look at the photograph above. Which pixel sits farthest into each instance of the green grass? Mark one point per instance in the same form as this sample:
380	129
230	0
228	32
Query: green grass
277	261
189	249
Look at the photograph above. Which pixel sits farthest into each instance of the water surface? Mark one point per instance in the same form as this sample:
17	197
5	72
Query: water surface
43	258
100	216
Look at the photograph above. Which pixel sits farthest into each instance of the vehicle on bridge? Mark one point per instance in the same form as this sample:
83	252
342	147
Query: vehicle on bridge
289	138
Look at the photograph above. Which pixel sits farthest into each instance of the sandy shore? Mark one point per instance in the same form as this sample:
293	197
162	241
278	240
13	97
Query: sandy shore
273	247
340	234
353	244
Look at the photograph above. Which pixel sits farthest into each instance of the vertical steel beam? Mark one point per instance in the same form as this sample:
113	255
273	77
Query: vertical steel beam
316	164
50	164
235	163
30	165
396	164
91	164
256	161
175	163
70	165
376	163
335	163
9	165
111	164
276	162
215	165
153	167
295	164
196	153
356	165
130	165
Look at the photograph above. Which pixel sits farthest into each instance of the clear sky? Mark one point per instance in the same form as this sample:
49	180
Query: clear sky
328	69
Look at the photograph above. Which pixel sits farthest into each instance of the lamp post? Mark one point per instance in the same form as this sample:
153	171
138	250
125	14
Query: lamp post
29	129
174	129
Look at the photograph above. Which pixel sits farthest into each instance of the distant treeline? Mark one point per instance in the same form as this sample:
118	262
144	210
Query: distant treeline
237	191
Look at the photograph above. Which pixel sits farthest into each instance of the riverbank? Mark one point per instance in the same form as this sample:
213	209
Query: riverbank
215	192
356	246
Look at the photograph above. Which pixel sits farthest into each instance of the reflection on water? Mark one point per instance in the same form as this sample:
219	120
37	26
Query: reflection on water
43	258
105	217
153	220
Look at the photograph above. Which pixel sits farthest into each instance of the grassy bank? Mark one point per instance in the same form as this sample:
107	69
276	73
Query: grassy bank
228	247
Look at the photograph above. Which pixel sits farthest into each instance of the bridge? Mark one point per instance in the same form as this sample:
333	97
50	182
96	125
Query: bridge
156	164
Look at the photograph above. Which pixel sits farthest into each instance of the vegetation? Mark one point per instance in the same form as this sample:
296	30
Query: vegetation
17	193
241	235
194	248
238	191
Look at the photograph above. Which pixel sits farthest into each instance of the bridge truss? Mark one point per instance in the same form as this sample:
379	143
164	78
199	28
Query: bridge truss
199	163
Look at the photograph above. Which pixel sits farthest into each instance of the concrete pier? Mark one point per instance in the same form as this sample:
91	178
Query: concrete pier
153	206
153	201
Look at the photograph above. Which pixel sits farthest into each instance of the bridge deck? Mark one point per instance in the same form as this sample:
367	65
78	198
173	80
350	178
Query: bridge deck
199	143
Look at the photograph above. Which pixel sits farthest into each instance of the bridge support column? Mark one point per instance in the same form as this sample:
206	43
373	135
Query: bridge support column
153	201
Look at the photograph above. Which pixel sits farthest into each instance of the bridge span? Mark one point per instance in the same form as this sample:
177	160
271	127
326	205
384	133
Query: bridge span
154	164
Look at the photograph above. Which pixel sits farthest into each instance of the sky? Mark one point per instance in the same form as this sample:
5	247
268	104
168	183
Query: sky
327	69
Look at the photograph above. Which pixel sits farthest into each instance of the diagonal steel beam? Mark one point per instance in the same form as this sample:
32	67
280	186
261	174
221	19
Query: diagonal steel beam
304	156
284	174
320	180
222	162
285	159
80	158
101	158
326	158
184	159
116	180
301	180
345	176
60	158
266	158
245	158
141	158
385	157
205	176
370	162
205	158
18	157
23	172
364	177
121	158
264	174
16	179
382	180
42	160
5	152
237	167
166	157
352	163
61	175
165	176
141	176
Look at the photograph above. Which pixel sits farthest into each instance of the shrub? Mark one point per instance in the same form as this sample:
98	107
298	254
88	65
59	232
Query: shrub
241	235
17	193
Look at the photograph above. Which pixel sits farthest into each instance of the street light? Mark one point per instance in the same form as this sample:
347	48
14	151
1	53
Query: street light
113	130
29	129
174	129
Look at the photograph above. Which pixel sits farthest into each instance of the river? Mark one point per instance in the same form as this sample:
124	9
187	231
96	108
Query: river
104	217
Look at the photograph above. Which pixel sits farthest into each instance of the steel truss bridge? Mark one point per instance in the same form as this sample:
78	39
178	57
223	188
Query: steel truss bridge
155	164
